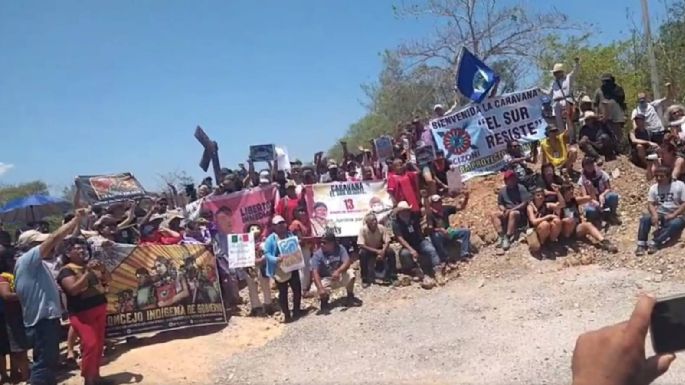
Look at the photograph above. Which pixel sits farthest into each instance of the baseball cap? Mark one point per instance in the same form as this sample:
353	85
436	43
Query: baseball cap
435	107
277	219
264	177
435	198
509	174
29	237
403	205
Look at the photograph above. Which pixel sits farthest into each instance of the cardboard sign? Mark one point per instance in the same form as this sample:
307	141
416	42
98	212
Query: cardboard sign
291	252
263	152
454	182
241	250
384	148
424	155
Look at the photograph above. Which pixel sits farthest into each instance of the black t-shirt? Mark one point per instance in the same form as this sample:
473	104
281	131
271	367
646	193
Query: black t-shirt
93	296
411	232
593	132
441	220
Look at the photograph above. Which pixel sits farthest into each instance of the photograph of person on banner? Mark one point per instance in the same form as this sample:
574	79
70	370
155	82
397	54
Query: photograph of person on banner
319	219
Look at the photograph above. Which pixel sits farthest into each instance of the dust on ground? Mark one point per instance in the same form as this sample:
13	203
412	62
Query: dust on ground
187	356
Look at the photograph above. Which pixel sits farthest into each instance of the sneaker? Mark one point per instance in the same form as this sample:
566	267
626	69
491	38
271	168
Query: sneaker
651	249
324	308
608	246
640	251
352	301
299	313
500	240
506	244
427	283
270	309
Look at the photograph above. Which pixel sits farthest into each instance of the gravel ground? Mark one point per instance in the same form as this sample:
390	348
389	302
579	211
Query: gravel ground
518	329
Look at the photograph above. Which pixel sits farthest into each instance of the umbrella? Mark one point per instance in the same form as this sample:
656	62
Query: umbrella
32	208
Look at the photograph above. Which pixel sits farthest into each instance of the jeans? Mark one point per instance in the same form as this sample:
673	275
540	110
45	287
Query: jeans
296	287
44	336
592	213
90	327
666	230
441	241
428	258
367	264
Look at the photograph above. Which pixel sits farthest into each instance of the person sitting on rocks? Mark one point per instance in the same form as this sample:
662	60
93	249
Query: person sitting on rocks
557	150
374	249
442	234
516	160
511	202
666	206
331	270
572	222
641	141
596	139
544	218
418	256
667	156
548	180
596	184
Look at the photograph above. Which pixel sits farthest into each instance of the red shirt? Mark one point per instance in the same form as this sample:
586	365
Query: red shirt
404	188
157	238
286	208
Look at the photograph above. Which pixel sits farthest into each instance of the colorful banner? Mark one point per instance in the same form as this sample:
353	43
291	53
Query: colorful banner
475	137
159	288
342	206
289	249
239	211
241	250
109	188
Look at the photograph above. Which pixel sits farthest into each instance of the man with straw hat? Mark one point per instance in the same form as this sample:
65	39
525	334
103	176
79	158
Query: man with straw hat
561	93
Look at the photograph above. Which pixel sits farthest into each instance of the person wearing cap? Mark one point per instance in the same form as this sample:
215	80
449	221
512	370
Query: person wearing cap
596	183
641	142
557	150
418	256
287	205
274	270
561	93
332	175
649	109
610	102
403	185
438	110
40	299
596	139
442	233
511	202
516	160
331	271
374	249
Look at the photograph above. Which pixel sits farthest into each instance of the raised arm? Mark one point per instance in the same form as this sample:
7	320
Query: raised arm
47	247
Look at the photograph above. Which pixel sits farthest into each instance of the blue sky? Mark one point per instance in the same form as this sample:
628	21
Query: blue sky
89	87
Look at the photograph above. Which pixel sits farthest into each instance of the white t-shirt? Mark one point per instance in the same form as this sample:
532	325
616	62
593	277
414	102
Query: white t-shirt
652	119
668	198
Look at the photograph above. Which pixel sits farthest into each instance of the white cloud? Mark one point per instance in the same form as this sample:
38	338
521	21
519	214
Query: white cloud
5	167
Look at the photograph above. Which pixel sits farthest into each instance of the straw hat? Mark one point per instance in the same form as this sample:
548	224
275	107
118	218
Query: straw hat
559	67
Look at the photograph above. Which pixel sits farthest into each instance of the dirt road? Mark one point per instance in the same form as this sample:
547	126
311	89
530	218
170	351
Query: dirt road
518	330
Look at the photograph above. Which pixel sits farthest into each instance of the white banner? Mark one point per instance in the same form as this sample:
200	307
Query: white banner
475	137
341	207
241	250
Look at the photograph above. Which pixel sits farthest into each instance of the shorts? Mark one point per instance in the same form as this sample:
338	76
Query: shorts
345	279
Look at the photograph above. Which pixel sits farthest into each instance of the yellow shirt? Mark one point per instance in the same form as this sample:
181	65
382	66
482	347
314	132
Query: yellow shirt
556	156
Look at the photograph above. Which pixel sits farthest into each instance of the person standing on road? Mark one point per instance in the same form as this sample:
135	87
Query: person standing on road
40	299
274	270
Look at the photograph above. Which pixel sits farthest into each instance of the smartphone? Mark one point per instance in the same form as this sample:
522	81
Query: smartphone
667	325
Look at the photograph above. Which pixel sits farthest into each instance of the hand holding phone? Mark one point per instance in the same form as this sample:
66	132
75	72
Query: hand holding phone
667	325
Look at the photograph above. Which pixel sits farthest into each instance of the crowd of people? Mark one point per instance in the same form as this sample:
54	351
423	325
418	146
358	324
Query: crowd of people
544	197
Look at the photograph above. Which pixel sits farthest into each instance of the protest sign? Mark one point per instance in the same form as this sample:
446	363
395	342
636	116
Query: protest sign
282	159
341	207
238	211
102	189
384	148
291	252
424	155
241	250
454	182
263	152
157	288
475	137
